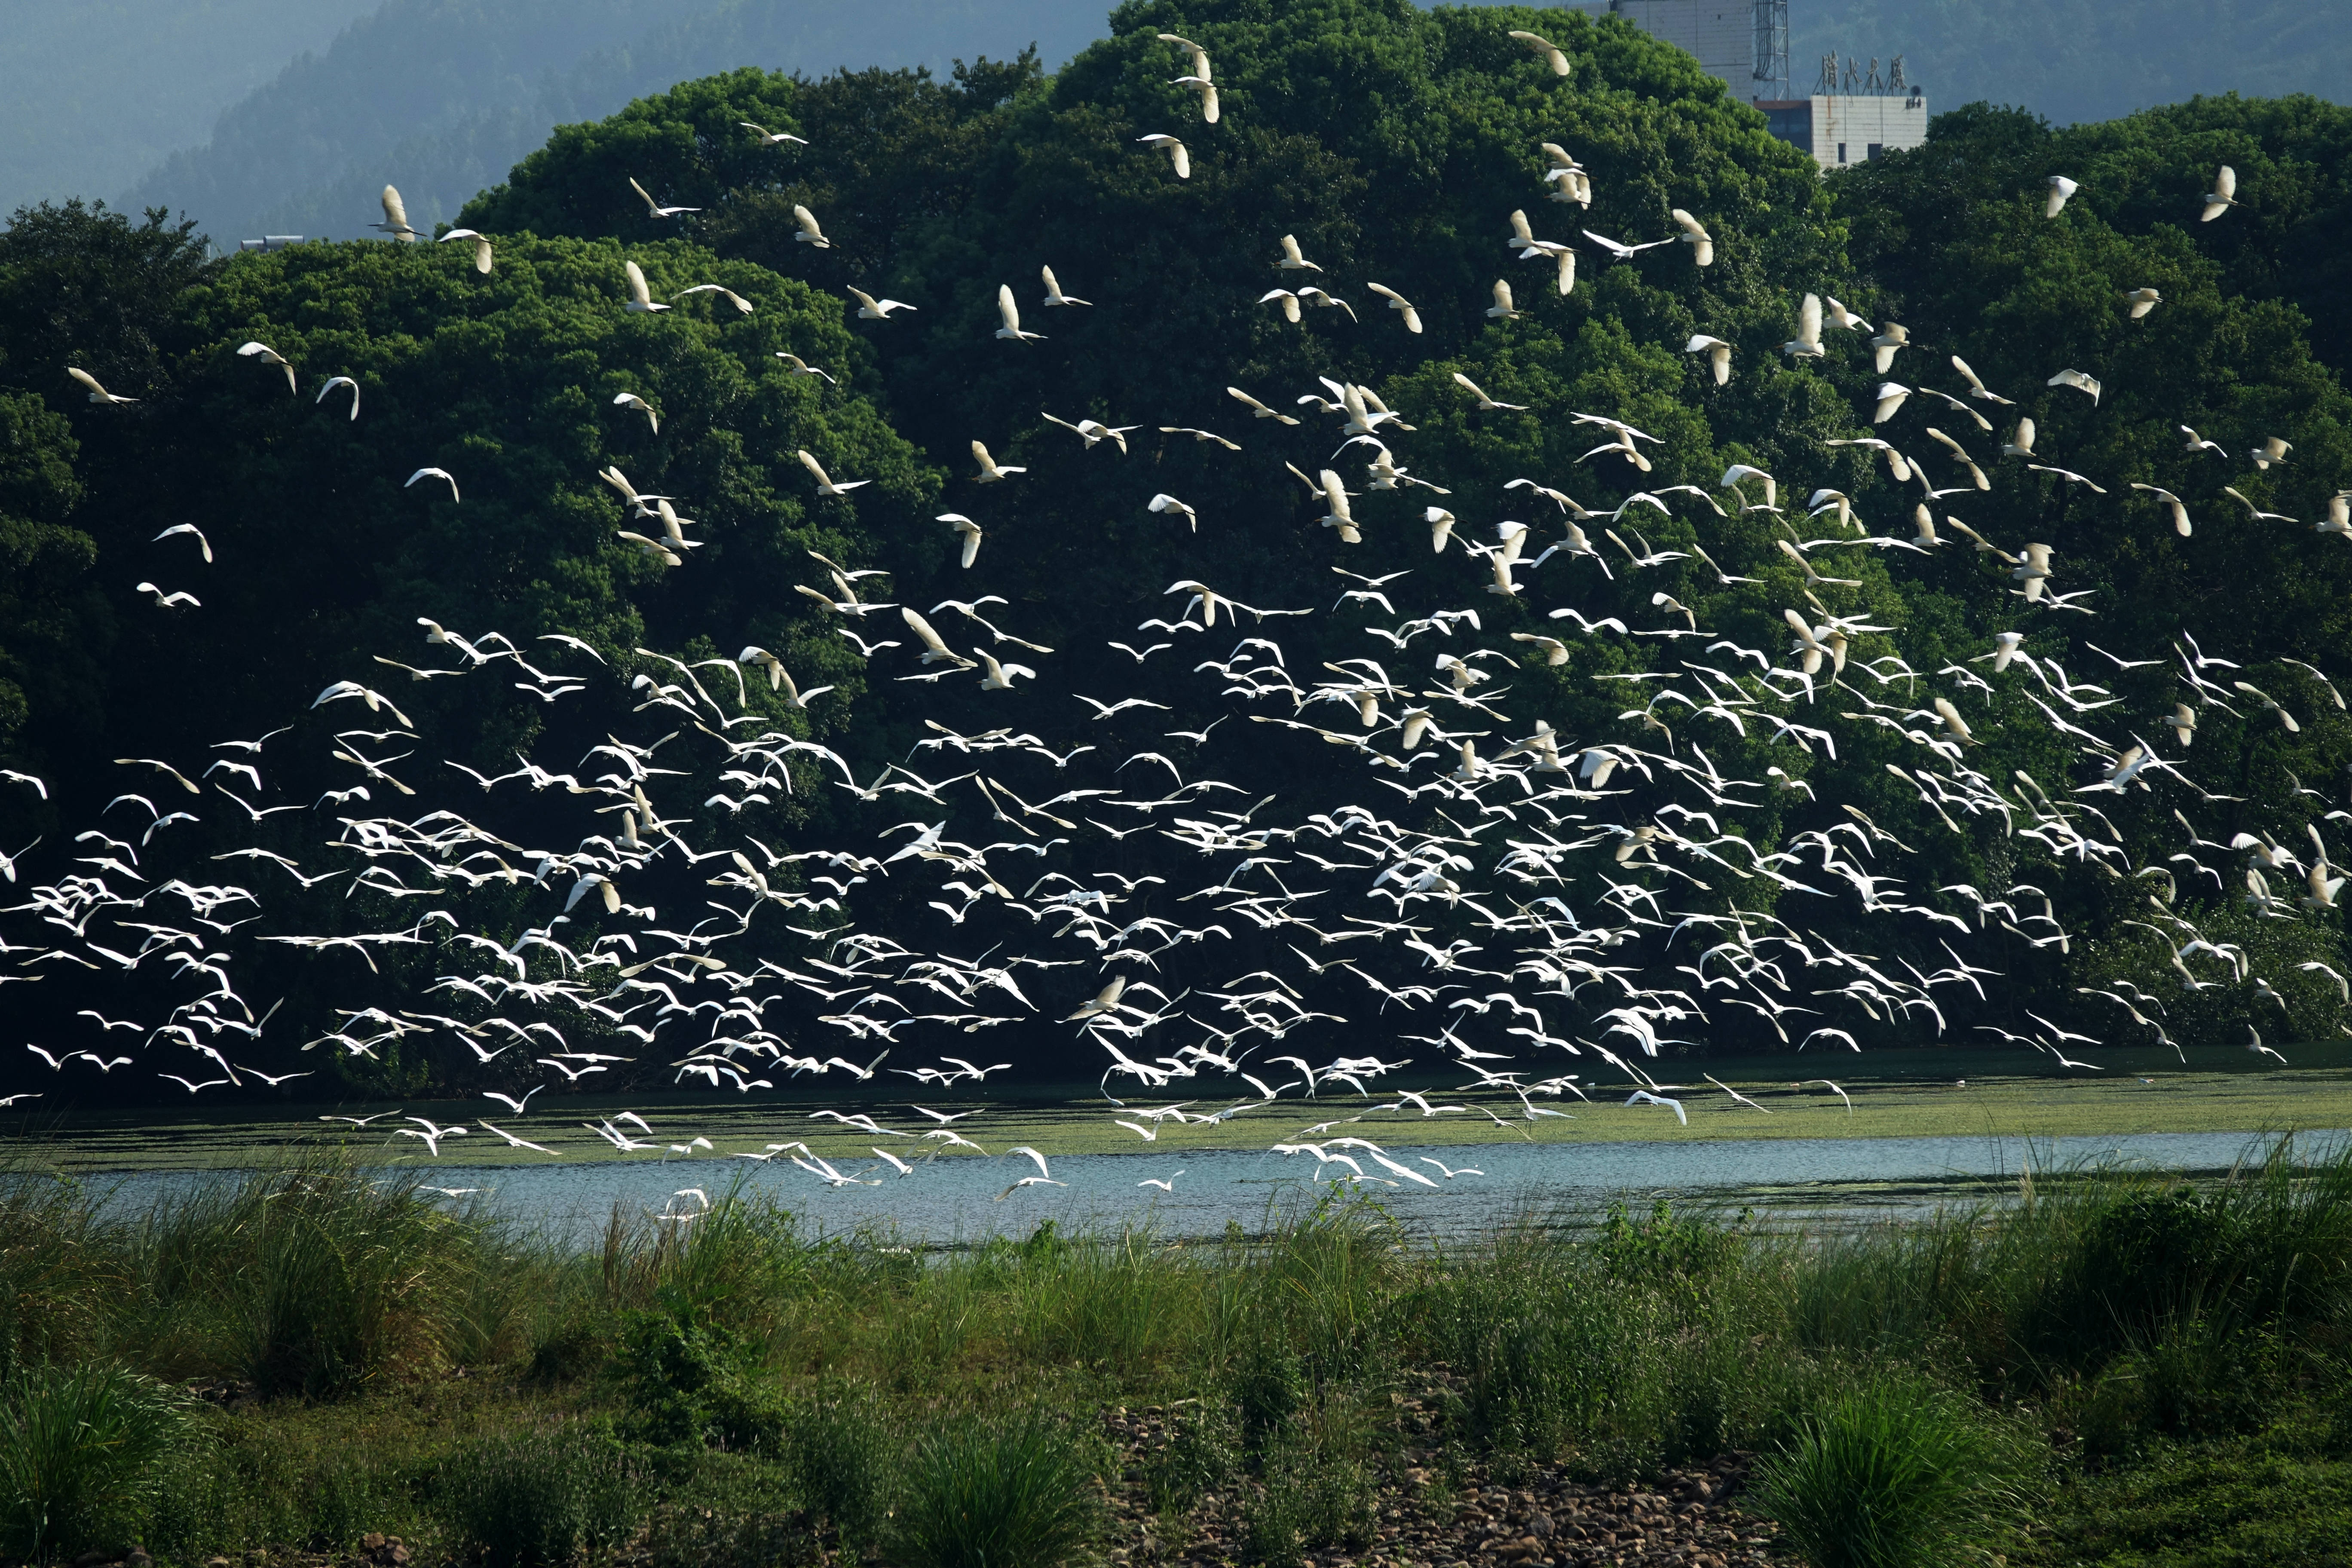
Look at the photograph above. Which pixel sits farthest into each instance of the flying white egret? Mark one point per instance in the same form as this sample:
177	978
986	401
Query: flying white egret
202	543
97	393
641	297
2078	381
2222	196
968	528
1398	304
654	208
1485	404
825	484
1544	49
396	217
1010	313
483	261
1695	235
334	382
869	308
1180	159
631	400
264	354
1718	352
732	298
991	471
1807	343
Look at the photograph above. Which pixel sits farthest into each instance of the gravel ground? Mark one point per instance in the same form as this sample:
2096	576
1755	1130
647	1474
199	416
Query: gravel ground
1427	1518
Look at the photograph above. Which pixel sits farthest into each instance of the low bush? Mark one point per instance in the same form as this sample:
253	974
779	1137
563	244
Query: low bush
688	1382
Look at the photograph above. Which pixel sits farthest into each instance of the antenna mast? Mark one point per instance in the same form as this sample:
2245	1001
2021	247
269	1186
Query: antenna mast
1772	48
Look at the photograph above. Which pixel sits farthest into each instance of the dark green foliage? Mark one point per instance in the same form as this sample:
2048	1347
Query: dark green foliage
1664	1250
688	1382
2281	1495
840	1451
1391	141
83	1455
538	1499
1895	1472
1011	1488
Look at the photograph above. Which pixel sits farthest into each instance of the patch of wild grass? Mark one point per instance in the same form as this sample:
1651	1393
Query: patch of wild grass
315	1278
84	1453
538	1499
1895	1471
1005	1489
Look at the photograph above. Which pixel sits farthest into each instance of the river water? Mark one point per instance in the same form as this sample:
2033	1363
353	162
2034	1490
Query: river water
957	1201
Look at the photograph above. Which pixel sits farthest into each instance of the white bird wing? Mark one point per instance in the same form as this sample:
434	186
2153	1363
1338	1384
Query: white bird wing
637	289
922	628
1005	308
395	212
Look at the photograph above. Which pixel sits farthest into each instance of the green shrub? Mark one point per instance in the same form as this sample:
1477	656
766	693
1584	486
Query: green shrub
1328	1494
83	1457
1269	1385
692	1384
1271	1535
1895	1472
1204	1452
839	1453
1012	1491
540	1499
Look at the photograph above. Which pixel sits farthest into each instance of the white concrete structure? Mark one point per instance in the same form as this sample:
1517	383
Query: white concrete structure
1721	33
1726	36
1838	129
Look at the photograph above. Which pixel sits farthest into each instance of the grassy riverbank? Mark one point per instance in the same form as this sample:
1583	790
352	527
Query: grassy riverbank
2107	1367
2013	1095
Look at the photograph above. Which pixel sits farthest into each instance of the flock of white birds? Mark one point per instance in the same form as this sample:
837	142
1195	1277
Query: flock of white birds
1589	938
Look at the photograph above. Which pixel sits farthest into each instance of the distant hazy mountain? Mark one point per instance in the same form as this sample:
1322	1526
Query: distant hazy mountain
99	92
443	97
2084	59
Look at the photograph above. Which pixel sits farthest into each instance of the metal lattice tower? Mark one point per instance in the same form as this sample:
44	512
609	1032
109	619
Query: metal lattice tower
1772	47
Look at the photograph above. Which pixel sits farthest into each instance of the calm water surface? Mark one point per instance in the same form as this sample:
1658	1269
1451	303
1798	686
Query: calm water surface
955	1200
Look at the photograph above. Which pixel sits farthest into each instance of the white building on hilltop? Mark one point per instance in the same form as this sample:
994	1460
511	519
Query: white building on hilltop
1855	111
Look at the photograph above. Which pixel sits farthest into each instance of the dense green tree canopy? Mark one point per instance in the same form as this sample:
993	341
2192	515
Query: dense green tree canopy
1395	145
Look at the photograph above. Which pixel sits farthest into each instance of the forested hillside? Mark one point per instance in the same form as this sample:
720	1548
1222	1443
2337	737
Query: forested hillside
1804	816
